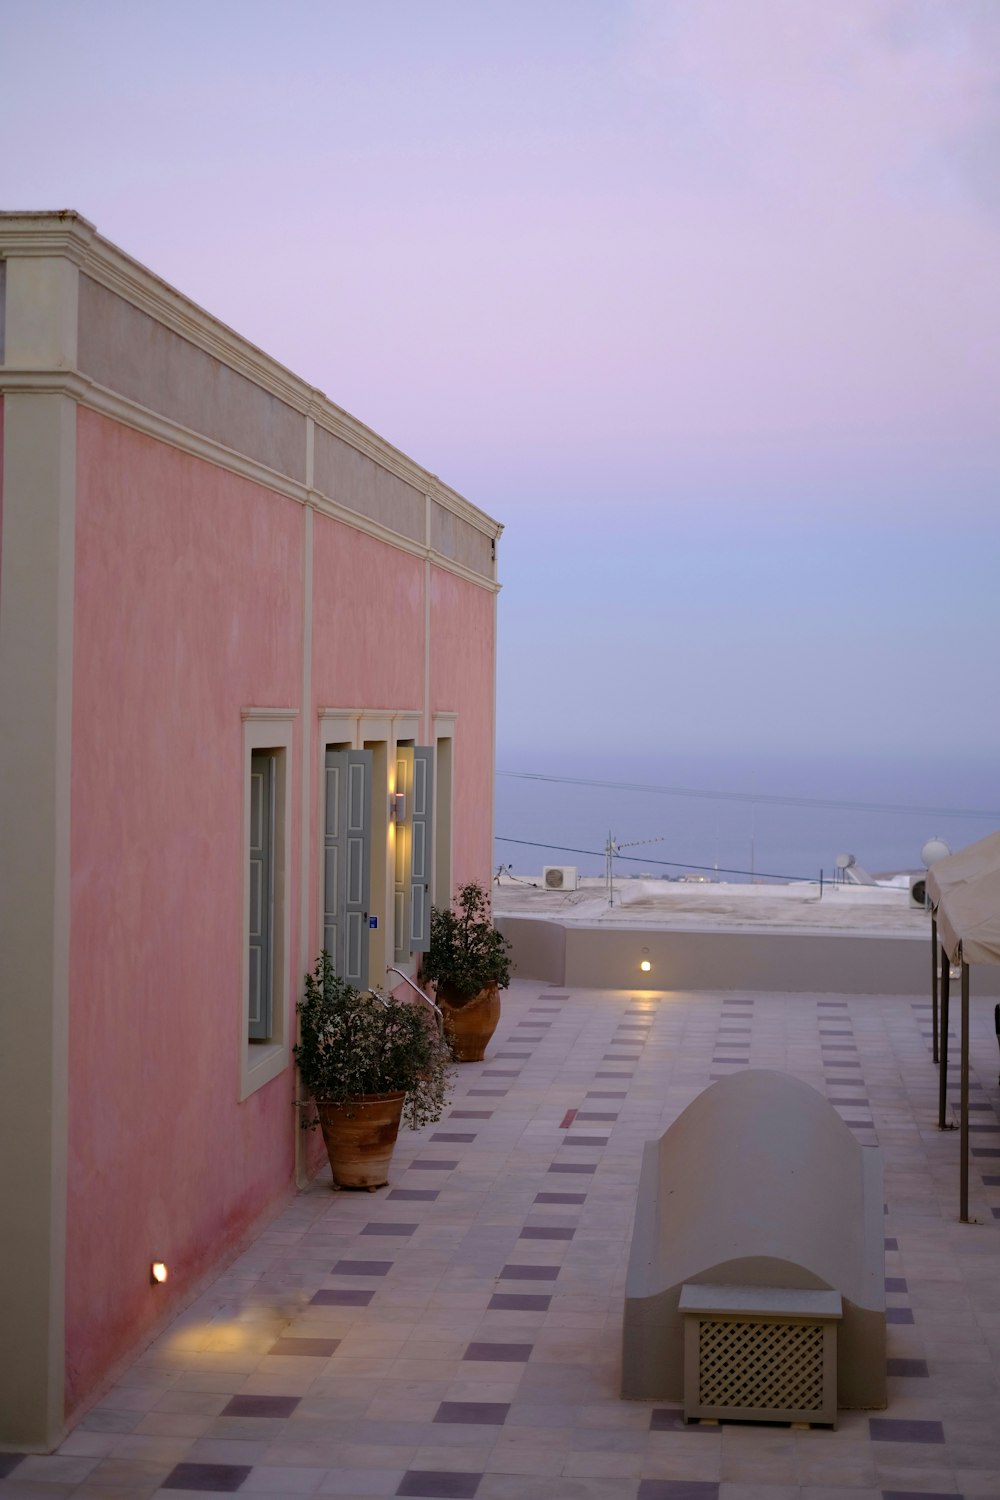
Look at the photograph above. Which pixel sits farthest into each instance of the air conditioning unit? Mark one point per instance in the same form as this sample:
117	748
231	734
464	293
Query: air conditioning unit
918	891
559	877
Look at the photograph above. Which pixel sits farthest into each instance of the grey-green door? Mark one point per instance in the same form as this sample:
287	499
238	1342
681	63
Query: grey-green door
421	848
347	862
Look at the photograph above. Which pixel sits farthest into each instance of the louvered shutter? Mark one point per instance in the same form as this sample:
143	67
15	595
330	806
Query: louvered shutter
421	848
261	986
347	862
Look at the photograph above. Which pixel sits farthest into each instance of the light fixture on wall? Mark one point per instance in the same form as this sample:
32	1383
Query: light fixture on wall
158	1272
644	963
397	807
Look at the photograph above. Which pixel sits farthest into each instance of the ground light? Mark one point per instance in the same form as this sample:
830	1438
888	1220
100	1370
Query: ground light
158	1272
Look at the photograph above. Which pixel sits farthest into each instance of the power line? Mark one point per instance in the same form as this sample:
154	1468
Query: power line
637	859
757	797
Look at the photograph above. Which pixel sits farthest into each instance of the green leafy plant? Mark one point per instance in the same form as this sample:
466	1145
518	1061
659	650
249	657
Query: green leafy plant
352	1044
466	952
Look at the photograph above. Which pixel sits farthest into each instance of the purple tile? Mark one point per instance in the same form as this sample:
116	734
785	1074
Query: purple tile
830	1031
499	1353
433	1166
537	1025
470	1114
904	1430
512	1056
439	1484
345	1298
538	1232
735	1030
585	1140
991	1182
606	1094
832	1004
224	1479
315	1348
519	1302
487	1093
571	1166
908	1367
678	1489
896	1284
606	1074
995	1213
835	1062
529	1273
899	1315
560	1197
9	1462
982	1151
892	1244
860	1124
621	1057
591	1114
362	1268
858	1099
500	1073
388	1227
742	1061
457	1137
413	1195
480	1413
261	1406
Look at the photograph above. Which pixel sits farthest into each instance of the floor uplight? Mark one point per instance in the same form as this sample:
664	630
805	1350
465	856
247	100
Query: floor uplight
158	1272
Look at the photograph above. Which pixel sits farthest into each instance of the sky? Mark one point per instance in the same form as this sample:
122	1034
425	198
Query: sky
698	297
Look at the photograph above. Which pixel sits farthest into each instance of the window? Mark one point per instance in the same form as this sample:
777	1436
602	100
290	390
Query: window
263	782
264	995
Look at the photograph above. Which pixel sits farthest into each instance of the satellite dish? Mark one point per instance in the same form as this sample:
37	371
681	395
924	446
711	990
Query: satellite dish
933	850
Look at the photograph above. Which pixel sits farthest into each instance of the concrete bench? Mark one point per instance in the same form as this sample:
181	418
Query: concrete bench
756	1277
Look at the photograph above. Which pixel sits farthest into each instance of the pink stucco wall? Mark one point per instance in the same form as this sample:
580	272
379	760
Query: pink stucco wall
188	606
462	682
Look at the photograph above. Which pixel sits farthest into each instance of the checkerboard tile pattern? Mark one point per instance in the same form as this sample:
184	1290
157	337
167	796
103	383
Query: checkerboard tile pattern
457	1334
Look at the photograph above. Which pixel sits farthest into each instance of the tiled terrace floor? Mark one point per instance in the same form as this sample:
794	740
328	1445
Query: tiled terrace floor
458	1333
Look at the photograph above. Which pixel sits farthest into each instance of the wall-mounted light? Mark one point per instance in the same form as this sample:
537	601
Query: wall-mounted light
158	1272
397	807
645	965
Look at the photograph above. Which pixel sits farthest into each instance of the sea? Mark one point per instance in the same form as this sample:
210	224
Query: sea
737	817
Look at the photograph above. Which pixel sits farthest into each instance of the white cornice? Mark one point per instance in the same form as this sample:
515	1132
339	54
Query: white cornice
70	234
108	403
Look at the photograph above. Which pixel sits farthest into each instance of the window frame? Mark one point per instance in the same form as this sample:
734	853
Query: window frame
270	730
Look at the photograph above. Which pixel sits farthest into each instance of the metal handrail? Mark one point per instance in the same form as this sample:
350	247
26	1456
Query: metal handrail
391	969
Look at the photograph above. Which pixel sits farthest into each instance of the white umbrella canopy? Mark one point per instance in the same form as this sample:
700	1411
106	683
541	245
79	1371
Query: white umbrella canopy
968	919
969	863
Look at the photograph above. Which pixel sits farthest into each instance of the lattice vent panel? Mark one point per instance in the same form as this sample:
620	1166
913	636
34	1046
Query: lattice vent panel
766	1366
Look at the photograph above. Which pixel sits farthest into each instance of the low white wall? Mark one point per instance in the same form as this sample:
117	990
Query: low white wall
842	964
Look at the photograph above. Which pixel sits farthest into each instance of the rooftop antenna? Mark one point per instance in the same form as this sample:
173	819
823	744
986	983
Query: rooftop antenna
611	848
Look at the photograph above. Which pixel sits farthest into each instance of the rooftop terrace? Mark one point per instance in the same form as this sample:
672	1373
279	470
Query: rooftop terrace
457	1334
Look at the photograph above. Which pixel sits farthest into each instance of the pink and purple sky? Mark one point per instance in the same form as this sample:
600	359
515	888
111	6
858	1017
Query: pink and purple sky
699	297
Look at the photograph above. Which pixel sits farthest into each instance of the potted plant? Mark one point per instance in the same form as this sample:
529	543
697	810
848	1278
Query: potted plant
365	1059
468	959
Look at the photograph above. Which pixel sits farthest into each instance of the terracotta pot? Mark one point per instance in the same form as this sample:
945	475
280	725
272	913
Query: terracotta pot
360	1137
468	1027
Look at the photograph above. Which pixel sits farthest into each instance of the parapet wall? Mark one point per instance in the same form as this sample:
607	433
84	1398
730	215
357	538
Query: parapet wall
775	962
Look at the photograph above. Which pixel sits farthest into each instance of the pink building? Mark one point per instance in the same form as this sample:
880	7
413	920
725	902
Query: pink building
233	622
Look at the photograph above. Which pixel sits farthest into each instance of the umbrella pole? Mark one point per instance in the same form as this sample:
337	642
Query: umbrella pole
964	1140
943	1070
934	985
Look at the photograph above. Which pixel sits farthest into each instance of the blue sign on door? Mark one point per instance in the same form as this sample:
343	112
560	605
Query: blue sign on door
373	921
